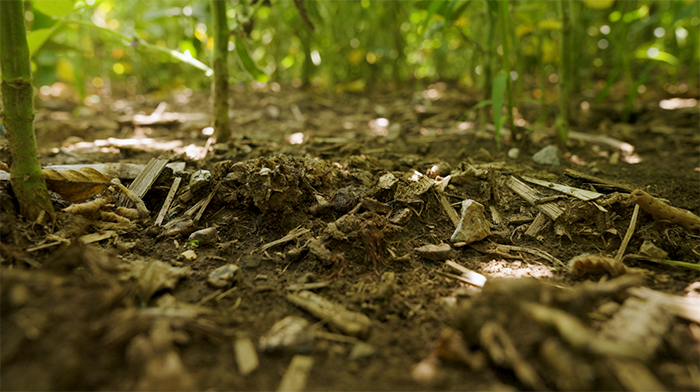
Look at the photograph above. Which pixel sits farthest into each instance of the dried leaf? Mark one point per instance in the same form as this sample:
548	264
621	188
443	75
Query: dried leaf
76	185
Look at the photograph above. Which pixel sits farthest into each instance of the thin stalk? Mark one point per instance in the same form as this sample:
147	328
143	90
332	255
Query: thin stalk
18	115
564	77
489	54
503	7
219	64
542	79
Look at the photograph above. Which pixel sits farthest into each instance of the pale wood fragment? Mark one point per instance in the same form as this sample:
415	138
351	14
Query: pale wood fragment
628	234
145	179
95	237
294	233
537	225
125	171
530	195
206	202
168	201
294	379
473	278
451	213
246	356
346	321
567	190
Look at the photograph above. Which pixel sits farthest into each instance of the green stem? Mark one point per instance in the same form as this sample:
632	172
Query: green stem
18	116
219	63
564	82
503	6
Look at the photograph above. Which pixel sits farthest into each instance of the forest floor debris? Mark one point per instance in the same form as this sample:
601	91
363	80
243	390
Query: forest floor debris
327	264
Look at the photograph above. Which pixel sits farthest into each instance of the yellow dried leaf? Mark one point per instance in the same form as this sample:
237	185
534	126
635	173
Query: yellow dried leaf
76	186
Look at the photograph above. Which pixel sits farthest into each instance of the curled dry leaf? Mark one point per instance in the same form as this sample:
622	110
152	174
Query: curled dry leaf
596	265
76	186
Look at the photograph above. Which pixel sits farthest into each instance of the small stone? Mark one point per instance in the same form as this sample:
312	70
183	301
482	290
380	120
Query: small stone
189	255
513	153
547	156
345	199
224	276
435	252
361	350
473	225
200	180
292	333
206	236
401	217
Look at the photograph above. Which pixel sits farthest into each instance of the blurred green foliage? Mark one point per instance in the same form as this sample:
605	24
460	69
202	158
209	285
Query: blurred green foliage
356	43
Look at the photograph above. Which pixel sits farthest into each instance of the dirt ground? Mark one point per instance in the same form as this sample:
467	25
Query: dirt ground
338	195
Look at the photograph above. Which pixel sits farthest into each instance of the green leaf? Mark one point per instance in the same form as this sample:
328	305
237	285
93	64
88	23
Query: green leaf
433	7
37	38
55	8
247	62
481	104
497	92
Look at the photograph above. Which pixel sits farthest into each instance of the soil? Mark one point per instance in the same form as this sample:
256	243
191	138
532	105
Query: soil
133	310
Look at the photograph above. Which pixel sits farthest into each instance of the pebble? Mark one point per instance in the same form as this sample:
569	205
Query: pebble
401	217
199	180
513	153
206	236
291	333
189	255
224	276
473	225
547	156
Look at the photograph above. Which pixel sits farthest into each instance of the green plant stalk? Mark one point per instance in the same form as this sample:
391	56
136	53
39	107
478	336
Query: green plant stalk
542	79
489	54
222	129
564	77
18	116
573	43
503	8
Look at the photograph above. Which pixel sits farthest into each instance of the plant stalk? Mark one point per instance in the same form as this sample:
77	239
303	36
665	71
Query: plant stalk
503	8
18	116
222	129
564	76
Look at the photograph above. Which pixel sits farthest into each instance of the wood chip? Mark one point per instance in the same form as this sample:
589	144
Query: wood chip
530	195
246	356
346	321
294	379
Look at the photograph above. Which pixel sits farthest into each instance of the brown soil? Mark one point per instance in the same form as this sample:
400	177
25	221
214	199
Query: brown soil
108	316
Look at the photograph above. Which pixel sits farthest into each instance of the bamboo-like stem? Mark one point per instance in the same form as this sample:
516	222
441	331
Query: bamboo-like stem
18	115
503	7
564	76
219	65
